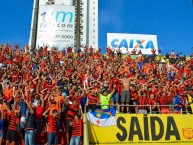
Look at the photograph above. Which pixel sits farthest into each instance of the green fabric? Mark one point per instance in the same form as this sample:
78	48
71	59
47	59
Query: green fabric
105	101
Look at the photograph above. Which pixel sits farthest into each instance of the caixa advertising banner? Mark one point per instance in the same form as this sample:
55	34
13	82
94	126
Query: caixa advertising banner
56	26
129	42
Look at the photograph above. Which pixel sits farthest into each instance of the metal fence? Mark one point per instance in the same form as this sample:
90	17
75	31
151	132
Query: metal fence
183	110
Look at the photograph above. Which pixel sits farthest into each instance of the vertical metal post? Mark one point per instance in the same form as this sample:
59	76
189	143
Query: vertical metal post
34	23
150	110
86	135
85	106
118	108
78	24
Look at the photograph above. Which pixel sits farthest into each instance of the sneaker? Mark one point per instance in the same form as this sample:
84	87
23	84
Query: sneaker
117	112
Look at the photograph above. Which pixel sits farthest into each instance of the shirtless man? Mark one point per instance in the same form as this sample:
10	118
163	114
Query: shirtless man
125	97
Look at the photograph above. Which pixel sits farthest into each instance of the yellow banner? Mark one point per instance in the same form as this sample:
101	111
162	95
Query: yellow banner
144	129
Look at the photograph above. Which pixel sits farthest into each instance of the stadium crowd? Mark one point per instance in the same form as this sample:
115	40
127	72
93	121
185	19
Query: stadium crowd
44	92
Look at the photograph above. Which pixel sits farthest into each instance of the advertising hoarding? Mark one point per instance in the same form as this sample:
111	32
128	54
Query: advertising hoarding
56	26
145	130
128	42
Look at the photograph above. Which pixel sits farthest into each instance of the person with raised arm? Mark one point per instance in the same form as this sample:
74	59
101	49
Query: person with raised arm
12	128
72	110
125	97
77	128
30	124
105	97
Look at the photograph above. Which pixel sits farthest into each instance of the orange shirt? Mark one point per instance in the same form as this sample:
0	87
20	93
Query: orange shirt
8	93
59	55
59	99
53	107
26	58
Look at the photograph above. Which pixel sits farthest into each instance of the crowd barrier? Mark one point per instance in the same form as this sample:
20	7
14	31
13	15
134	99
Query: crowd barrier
182	111
145	129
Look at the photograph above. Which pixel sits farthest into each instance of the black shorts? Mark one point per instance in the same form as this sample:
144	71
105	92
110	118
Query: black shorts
11	135
68	126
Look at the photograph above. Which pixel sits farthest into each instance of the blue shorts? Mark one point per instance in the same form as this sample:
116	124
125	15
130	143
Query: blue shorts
115	97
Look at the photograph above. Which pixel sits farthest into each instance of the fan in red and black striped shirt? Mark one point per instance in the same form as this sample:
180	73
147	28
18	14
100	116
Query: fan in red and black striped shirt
53	126
76	129
53	122
72	110
12	131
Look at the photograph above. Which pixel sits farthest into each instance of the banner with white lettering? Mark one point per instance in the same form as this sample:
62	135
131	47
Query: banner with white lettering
56	26
128	42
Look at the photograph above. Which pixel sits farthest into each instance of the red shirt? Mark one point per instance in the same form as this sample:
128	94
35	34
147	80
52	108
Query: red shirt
53	124
91	49
133	52
49	86
39	112
164	101
134	95
92	99
12	123
142	101
114	81
72	111
77	127
15	77
151	101
153	51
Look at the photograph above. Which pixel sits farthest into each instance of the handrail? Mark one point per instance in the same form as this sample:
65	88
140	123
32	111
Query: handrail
150	106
